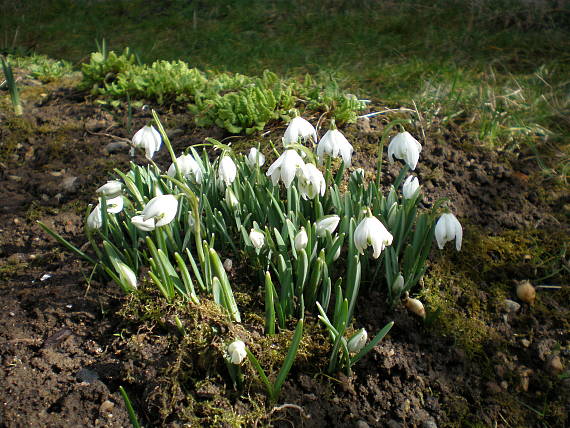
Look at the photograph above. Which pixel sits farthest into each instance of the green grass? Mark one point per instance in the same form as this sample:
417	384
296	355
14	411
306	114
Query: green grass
498	69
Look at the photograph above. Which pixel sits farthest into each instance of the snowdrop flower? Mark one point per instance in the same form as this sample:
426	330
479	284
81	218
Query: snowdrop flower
149	139
410	186
299	128
405	147
255	157
111	189
139	222
115	205
285	168
257	238
188	168
447	229
126	274
236	352
301	239
335	144
328	222
357	342
370	231
94	220
311	181
162	209
227	170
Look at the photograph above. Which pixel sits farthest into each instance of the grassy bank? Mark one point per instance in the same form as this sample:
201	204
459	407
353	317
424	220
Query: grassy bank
499	70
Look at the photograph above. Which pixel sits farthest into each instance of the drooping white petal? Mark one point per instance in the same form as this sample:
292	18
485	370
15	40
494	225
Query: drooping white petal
334	143
410	186
404	146
149	139
227	170
311	181
285	167
328	222
139	222
115	205
255	157
94	220
162	209
188	167
236	352
447	229
371	231
299	128
110	189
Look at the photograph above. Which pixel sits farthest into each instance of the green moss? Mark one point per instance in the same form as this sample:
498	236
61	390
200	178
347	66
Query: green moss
468	288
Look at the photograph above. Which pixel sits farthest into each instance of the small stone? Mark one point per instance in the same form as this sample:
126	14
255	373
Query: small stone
69	184
363	125
116	147
504	385
394	424
554	365
106	406
525	379
511	306
362	424
429	423
525	343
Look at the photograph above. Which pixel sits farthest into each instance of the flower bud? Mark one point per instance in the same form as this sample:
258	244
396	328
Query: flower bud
398	285
357	342
231	199
301	239
257	238
126	274
236	352
254	158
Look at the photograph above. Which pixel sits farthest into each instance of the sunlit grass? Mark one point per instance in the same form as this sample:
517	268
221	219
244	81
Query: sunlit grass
497	69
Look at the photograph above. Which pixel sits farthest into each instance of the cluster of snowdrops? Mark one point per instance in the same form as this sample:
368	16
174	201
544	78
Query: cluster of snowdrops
305	241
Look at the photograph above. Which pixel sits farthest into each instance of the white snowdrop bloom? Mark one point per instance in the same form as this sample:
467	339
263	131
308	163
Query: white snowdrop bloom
188	167
285	168
126	274
254	157
257	238
371	231
357	342
139	222
410	186
115	205
335	144
149	139
328	222
236	352
227	170
299	128
111	189
162	209
94	220
447	229
301	239
405	147
311	181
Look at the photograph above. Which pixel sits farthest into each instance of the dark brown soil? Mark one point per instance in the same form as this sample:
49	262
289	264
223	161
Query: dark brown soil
66	347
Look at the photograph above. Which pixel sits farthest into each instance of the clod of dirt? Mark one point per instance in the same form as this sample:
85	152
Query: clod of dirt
554	365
